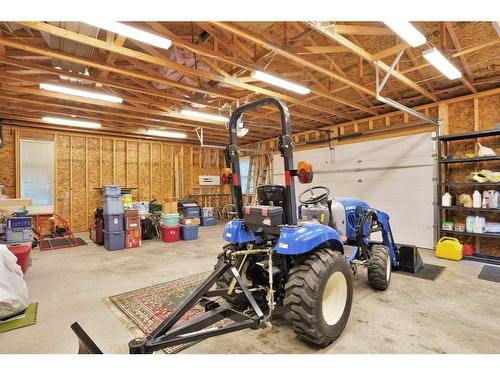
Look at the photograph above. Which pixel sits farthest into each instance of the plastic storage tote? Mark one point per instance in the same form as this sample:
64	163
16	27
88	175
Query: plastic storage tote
189	232
170	233
142	207
170	220
112	204
108	190
22	253
113	223
114	240
207	221
13	235
190	211
18	222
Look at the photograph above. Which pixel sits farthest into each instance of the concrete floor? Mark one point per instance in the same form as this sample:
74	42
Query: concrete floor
455	314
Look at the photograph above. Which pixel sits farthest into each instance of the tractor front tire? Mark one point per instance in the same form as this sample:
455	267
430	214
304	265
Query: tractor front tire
379	270
318	296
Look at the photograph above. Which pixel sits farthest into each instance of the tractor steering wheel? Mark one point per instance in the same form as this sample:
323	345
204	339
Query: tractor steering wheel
313	197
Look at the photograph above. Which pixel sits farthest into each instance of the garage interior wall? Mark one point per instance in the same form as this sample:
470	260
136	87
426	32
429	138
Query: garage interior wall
158	170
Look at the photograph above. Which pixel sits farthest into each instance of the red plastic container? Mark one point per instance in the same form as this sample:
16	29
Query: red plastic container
170	234
22	252
133	238
468	249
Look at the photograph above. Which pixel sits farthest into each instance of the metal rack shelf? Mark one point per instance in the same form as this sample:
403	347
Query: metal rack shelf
469	209
471	184
485	235
470	160
443	174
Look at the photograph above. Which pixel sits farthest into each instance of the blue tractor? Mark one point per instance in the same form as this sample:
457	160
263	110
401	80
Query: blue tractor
280	256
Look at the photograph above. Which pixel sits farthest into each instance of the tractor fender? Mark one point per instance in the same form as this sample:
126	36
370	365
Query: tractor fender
236	232
306	237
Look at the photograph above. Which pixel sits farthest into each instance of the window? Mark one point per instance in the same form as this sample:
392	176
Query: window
36	172
244	165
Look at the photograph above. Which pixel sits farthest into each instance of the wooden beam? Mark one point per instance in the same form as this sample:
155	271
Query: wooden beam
468	80
319	27
93	64
390	51
362	30
291	56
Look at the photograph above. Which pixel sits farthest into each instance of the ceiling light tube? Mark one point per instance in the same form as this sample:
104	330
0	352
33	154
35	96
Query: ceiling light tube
441	63
70	122
132	33
166	133
407	32
275	81
203	115
79	92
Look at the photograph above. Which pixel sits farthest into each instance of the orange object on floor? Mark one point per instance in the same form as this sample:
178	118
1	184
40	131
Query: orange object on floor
133	237
55	222
22	253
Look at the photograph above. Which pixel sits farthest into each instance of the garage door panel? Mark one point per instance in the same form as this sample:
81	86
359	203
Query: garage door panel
394	175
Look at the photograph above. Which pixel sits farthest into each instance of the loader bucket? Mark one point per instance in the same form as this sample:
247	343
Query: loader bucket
85	343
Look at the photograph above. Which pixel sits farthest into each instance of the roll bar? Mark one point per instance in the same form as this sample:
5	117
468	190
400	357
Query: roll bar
285	145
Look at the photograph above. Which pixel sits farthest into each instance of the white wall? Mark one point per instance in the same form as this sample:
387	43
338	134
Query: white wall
394	175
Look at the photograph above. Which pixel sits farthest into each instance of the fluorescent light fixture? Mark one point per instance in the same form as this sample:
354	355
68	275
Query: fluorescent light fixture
132	33
166	133
203	115
441	63
68	122
275	81
79	92
407	32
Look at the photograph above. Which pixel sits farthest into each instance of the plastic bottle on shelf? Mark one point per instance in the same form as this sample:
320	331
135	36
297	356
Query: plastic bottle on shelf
479	224
446	200
476	199
469	224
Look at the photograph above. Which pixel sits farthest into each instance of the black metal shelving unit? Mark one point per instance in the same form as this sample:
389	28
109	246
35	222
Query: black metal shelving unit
443	184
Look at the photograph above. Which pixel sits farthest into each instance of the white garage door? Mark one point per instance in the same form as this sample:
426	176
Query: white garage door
394	175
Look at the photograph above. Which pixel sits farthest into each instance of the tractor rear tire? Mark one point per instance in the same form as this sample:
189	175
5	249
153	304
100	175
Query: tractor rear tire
379	271
237	300
318	296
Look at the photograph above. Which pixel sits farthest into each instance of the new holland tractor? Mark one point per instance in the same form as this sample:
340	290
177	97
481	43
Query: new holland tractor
280	256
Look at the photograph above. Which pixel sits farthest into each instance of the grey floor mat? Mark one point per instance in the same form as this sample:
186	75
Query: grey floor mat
427	272
490	273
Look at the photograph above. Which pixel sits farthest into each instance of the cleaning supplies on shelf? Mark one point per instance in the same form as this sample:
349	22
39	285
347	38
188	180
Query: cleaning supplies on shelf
446	200
485	151
492	227
490	199
469	224
476	199
479	224
465	200
459	227
448	225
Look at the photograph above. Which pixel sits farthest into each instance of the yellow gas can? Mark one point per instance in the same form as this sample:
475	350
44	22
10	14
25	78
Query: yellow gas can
449	248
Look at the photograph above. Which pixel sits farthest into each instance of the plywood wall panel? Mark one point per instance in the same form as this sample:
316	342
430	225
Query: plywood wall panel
133	167
168	171
144	171
156	187
63	168
78	178
187	170
107	161
8	163
120	162
93	176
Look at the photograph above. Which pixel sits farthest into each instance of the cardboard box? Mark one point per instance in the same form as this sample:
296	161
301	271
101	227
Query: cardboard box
190	221
169	207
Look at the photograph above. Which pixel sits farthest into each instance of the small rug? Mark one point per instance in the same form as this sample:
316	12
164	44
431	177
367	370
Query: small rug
60	243
427	272
147	307
490	273
26	318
